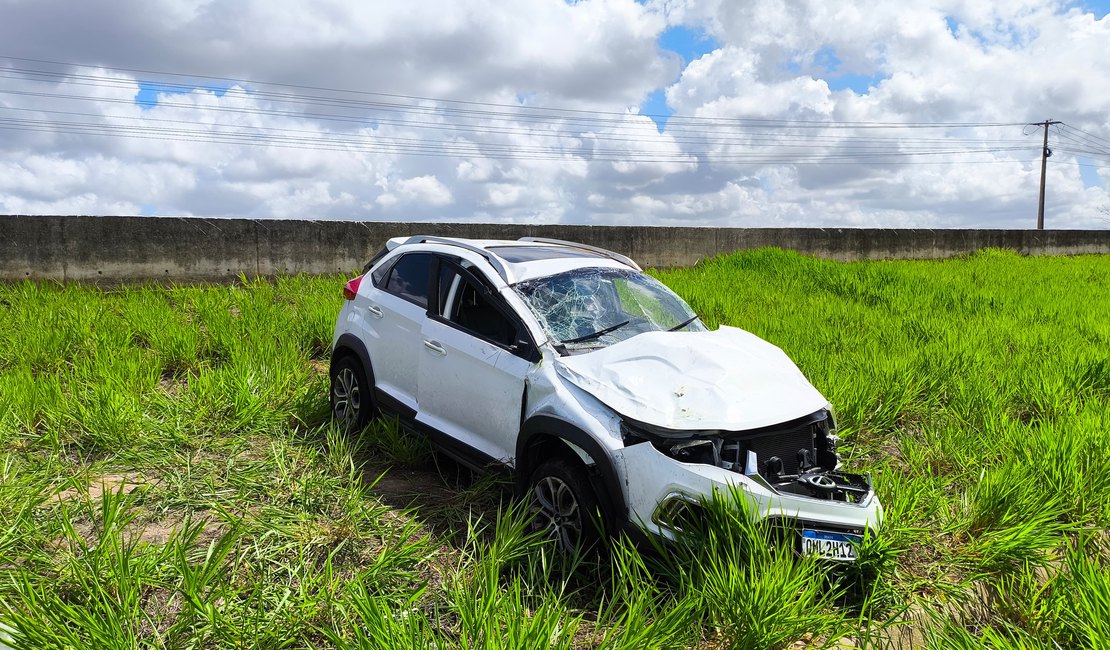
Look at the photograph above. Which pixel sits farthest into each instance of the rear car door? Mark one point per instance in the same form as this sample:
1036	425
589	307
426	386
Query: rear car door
471	384
394	311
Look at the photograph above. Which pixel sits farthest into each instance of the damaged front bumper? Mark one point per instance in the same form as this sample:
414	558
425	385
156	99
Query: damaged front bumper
670	472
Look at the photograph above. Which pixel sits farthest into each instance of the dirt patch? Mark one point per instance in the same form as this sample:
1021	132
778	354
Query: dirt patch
163	606
159	531
810	641
257	449
173	382
98	485
907	633
401	488
318	366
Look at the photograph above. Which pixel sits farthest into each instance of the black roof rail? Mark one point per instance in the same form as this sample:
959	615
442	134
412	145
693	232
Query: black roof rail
489	257
601	251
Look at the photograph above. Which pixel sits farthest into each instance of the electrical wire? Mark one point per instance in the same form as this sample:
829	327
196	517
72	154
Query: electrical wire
478	150
784	140
488	129
273	132
1087	135
702	120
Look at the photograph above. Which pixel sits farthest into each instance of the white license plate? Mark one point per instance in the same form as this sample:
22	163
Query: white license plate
831	546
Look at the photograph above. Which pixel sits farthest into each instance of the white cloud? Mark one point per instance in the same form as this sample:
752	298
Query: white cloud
424	189
503	195
296	151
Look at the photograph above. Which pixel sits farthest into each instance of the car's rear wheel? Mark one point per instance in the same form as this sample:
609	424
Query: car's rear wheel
352	404
564	505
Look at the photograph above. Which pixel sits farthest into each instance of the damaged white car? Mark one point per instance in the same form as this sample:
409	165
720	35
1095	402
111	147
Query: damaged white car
596	385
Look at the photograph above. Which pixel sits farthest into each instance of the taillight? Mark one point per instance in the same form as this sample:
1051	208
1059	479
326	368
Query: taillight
350	290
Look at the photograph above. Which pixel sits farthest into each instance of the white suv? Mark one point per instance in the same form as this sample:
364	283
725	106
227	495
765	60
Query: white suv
596	385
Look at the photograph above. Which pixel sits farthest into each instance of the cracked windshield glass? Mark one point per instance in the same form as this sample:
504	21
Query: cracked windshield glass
591	308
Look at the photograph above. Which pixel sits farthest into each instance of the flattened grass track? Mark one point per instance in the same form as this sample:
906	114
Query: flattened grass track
169	477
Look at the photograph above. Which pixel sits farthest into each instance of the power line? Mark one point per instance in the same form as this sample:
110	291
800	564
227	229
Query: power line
617	129
483	150
524	107
555	133
1082	152
1086	134
783	140
1080	164
780	141
273	132
1083	144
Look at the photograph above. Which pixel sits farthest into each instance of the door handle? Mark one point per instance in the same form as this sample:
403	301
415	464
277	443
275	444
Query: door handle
434	346
375	311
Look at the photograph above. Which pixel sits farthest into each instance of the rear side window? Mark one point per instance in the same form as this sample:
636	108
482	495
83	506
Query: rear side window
381	273
410	277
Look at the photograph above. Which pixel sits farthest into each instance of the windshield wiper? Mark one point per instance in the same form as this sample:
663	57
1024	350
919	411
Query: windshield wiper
598	333
683	324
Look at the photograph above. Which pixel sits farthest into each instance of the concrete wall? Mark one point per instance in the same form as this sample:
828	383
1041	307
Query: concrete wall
143	248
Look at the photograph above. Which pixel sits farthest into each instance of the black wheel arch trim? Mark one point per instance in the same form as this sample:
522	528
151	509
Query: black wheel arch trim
349	344
606	482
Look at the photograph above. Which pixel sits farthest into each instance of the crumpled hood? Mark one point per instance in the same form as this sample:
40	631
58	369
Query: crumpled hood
725	379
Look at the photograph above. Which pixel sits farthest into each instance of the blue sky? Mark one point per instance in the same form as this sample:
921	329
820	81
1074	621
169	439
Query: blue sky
1098	7
688	43
827	60
1089	173
147	97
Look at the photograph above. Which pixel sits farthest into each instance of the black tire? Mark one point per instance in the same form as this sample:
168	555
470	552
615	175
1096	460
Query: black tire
564	505
352	399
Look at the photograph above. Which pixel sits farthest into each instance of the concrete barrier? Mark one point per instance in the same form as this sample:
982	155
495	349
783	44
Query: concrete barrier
161	248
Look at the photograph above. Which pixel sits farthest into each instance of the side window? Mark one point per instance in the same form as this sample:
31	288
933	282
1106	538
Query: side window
381	273
471	309
410	277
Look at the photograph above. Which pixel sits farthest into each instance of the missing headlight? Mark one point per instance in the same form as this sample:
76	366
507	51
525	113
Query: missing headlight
693	451
797	457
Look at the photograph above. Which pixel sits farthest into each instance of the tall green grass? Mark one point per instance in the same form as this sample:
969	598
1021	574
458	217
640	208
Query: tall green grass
974	390
169	477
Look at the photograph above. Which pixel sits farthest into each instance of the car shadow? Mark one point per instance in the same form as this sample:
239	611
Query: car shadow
446	497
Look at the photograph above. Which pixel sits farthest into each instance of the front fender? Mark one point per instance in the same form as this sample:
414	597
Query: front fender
606	481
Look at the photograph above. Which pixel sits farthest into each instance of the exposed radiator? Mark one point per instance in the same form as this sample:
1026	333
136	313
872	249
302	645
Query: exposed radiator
783	443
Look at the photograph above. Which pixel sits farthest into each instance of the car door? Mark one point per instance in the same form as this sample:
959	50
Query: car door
395	310
471	383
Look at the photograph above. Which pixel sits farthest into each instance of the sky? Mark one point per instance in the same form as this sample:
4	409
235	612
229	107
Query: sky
762	113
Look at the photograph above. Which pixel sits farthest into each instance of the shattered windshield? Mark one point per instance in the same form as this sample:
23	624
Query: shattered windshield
590	308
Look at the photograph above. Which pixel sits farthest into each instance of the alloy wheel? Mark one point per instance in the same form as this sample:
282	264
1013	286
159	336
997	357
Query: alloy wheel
345	398
557	513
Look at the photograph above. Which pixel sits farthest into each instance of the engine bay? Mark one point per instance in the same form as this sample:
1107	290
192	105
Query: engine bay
797	457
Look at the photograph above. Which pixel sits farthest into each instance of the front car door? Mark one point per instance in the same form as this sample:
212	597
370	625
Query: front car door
471	378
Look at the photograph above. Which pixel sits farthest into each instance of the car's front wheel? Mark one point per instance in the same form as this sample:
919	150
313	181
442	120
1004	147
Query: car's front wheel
352	404
564	505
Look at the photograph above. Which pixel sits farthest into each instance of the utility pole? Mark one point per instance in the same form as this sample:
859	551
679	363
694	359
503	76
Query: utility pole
1045	153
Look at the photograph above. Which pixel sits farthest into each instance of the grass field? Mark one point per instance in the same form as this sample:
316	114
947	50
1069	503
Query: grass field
169	477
